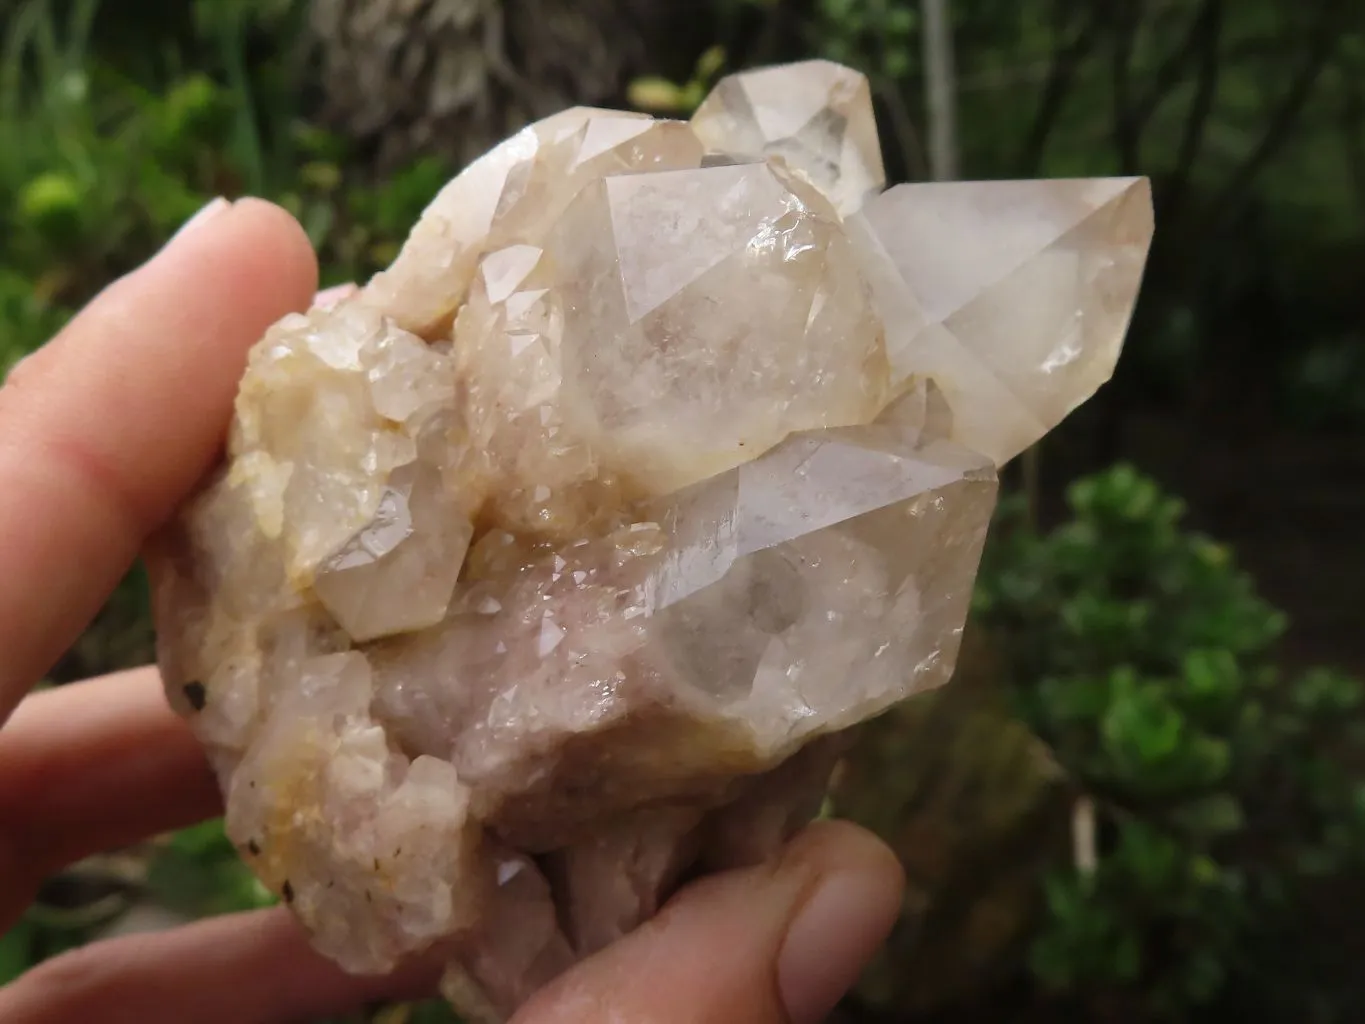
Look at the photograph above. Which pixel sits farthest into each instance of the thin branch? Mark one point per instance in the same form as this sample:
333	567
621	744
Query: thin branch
1127	20
1170	72
941	86
1084	850
1210	31
495	55
1353	131
1322	42
769	41
1066	60
913	156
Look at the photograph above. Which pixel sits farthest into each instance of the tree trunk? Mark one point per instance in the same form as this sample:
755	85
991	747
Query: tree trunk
941	87
409	78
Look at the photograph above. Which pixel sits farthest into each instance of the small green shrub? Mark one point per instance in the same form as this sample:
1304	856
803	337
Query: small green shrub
1225	802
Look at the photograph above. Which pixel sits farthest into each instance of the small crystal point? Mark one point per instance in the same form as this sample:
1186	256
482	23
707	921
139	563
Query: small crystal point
815	115
788	594
508	195
398	573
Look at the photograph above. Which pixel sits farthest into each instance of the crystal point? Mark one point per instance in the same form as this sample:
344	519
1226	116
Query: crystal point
817	116
708	313
553	566
1021	290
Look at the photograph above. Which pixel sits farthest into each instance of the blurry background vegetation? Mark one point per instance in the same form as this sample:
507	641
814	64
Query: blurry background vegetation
1142	799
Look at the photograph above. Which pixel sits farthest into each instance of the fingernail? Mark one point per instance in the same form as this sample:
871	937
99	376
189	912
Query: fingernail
205	214
329	297
831	938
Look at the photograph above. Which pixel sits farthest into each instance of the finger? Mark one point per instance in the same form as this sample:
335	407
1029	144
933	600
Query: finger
105	430
91	766
779	944
254	968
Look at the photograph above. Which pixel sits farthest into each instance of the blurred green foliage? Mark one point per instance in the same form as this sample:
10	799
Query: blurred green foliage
198	872
100	162
1226	804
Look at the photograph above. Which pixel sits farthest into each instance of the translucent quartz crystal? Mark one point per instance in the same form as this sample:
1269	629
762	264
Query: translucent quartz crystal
683	270
1013	295
511	195
815	116
555	565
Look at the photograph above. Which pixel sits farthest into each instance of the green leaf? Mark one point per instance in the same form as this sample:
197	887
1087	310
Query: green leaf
16	951
433	1011
656	94
1127	965
710	63
1217	815
203	841
401	201
52	204
195	111
1203	974
898	63
1141	725
321	176
1327	692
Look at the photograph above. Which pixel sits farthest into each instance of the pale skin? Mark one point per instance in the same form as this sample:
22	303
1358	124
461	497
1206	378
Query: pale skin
102	434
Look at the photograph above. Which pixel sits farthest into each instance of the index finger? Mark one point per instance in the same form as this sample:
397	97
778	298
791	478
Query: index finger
106	429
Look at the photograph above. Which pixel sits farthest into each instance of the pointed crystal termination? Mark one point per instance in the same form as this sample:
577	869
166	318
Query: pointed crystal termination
510	195
554	565
708	314
1013	295
816	116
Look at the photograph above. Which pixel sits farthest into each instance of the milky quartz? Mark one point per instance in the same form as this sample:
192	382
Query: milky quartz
551	567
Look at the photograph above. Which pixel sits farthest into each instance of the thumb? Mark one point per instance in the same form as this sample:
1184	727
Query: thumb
776	944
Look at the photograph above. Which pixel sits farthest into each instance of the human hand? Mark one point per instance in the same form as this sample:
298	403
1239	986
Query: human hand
102	434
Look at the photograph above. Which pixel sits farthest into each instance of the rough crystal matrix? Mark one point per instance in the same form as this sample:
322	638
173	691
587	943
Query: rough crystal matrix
550	566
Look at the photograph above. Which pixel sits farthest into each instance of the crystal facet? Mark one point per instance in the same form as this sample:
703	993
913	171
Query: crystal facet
1014	295
816	116
555	564
735	316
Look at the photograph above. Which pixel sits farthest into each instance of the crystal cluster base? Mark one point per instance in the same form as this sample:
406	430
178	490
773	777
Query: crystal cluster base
553	565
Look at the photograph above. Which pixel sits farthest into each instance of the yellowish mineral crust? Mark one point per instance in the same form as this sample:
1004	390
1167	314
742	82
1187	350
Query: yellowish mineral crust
553	563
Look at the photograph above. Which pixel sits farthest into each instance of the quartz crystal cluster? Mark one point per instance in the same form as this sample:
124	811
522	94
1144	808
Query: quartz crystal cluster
549	568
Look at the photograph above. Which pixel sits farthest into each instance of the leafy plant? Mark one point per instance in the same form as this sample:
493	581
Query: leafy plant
97	169
1226	804
661	96
880	36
